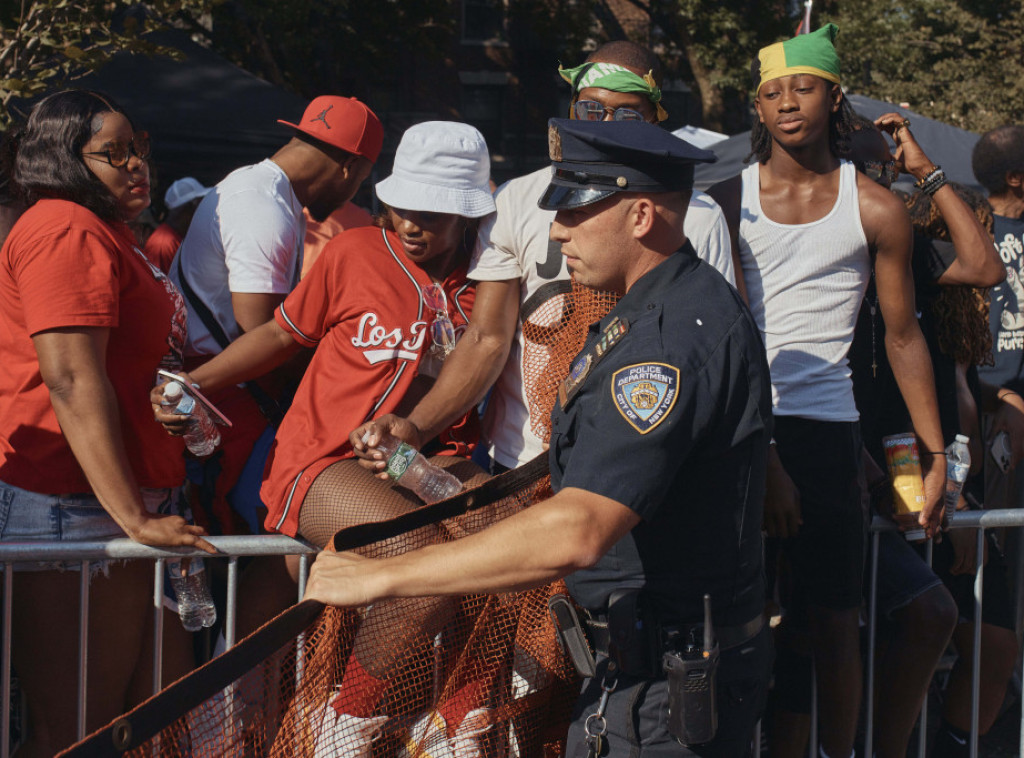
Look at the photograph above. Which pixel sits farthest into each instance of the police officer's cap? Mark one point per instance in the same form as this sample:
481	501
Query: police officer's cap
594	159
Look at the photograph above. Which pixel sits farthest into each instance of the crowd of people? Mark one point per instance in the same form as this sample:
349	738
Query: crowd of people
716	440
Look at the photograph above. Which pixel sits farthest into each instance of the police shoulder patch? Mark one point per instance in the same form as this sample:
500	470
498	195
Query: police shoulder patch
645	393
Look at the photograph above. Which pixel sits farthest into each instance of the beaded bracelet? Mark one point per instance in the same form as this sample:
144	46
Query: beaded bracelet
933	181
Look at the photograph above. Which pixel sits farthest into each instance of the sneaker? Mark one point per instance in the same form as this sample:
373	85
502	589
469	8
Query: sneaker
428	738
342	735
466	742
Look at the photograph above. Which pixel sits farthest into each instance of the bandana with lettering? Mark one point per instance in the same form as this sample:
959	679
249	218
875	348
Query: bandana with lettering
611	76
813	53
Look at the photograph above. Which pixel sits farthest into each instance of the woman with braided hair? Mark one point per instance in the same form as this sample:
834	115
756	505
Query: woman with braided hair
954	263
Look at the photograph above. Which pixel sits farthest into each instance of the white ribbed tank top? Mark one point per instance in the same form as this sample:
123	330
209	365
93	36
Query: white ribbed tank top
805	283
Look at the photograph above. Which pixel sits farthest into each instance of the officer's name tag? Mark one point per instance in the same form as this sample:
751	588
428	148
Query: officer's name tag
610	337
645	393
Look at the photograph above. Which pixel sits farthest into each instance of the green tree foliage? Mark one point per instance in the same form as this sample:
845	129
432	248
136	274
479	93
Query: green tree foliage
391	49
47	43
708	44
958	61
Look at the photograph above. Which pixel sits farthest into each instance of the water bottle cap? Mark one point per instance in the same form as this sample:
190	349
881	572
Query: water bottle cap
963	438
172	390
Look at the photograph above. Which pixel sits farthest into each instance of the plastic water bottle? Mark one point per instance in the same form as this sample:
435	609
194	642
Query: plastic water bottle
410	469
958	465
195	604
202	437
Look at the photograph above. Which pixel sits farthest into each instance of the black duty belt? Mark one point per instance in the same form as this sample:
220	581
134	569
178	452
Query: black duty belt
727	637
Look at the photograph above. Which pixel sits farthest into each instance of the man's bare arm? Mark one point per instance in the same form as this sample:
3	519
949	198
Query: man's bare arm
254	309
889	233
977	261
547	541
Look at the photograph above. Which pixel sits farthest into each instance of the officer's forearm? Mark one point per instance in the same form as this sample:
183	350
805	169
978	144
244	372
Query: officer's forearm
540	544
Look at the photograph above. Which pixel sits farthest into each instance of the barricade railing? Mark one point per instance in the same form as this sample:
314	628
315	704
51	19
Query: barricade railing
228	548
981	521
232	548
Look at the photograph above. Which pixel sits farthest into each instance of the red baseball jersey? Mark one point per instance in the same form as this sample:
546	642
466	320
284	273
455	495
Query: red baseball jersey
361	306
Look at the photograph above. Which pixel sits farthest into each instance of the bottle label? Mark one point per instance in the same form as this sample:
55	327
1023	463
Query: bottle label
400	460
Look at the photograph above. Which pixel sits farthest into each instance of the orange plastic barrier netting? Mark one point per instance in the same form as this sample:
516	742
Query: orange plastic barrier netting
553	334
466	677
470	677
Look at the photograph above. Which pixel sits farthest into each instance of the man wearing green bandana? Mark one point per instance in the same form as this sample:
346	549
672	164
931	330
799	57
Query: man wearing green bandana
806	229
515	260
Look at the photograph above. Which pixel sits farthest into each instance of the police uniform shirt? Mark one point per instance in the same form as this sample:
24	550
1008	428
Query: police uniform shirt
673	421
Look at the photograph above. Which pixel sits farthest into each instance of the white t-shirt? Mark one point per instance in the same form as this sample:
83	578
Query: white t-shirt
514	244
246	237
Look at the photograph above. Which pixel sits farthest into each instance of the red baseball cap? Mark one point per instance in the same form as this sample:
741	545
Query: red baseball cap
342	122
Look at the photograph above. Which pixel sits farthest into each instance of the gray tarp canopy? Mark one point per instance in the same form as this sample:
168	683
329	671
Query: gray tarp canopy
206	116
948	146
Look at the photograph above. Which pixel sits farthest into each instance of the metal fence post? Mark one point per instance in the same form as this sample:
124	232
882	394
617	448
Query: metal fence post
158	624
976	652
869	730
5	668
83	645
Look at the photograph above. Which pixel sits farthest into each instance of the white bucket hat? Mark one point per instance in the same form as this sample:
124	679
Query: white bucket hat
183	191
440	167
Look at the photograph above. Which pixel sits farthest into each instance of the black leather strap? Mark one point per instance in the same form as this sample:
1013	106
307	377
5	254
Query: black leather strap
493	489
727	637
147	720
544	293
269	407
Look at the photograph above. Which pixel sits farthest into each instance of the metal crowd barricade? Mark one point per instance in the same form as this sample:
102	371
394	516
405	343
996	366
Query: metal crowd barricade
980	521
229	548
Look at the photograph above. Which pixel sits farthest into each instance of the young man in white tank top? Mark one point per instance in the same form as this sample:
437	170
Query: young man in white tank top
805	228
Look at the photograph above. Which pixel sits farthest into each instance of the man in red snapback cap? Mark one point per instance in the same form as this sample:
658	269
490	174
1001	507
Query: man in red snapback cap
242	255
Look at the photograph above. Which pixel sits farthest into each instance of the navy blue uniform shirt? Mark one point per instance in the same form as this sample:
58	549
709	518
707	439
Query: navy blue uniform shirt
674	422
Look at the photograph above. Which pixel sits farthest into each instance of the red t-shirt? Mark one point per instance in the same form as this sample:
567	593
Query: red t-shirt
161	247
62	266
361	307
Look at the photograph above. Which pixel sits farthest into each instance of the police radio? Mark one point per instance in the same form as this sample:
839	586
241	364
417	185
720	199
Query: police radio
691	672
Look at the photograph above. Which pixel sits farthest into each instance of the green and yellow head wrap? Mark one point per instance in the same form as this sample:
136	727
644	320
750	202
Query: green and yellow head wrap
812	53
612	76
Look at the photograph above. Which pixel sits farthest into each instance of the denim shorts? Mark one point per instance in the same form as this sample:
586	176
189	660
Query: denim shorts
31	516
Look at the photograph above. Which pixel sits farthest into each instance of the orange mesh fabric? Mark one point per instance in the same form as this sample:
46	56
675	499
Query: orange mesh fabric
553	335
465	677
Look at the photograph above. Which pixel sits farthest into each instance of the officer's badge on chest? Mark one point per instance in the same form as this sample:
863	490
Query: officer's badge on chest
645	393
610	337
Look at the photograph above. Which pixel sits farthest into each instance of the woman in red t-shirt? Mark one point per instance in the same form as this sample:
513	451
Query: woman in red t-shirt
85	322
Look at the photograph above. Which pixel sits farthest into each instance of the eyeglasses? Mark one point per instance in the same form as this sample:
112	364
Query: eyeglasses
880	172
591	110
118	154
442	331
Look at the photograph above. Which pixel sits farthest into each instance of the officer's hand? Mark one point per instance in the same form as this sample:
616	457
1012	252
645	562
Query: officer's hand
368	455
335	579
781	500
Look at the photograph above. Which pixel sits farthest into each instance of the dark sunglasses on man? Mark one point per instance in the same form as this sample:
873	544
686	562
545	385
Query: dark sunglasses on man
591	110
118	154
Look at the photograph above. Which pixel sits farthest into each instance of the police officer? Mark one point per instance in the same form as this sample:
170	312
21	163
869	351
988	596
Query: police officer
658	450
